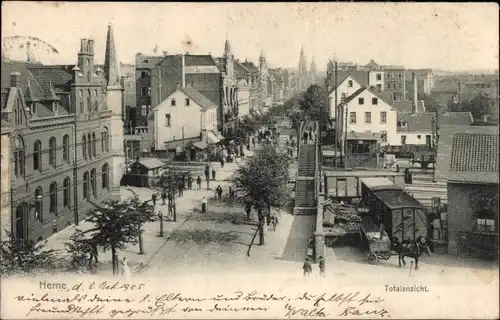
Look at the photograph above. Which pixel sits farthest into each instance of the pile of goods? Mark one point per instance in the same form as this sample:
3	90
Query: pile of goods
335	213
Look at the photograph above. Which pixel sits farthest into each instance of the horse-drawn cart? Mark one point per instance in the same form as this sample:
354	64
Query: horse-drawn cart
374	241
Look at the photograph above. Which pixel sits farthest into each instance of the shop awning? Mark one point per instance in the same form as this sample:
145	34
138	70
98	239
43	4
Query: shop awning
200	145
212	138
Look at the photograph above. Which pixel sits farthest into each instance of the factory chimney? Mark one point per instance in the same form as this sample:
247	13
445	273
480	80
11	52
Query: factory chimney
415	96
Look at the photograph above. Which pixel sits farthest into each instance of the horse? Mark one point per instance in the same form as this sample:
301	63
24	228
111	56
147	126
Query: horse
412	249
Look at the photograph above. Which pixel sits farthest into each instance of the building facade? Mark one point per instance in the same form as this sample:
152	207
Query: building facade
67	140
473	192
5	217
184	117
370	120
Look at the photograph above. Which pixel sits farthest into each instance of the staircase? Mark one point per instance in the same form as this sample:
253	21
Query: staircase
305	185
304	193
307	160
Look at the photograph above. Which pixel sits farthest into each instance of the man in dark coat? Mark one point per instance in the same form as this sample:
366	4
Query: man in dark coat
198	182
218	190
321	264
213	174
190	182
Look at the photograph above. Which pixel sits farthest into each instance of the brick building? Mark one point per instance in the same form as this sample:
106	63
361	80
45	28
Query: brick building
67	139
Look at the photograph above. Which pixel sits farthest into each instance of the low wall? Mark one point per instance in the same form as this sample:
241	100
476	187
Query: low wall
319	235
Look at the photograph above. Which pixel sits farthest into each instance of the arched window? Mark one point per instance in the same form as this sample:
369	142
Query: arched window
89	145
93	182
53	198
105	176
84	146
82	109
105	140
20	223
52	151
89	101
94	145
38	204
18	157
37	156
102	141
86	185
66	192
66	148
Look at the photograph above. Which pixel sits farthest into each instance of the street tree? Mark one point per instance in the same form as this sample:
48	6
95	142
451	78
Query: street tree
24	255
262	182
117	224
314	103
431	104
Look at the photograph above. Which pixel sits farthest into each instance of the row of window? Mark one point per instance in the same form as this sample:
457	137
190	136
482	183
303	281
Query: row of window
368	117
187	102
89	144
89	184
88	147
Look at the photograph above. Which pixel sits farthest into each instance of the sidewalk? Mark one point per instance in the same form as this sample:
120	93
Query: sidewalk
189	202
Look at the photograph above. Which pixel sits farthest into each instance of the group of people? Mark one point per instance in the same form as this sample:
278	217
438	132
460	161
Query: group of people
309	134
307	267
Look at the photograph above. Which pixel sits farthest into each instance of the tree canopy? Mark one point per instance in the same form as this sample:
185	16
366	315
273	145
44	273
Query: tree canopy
262	181
314	103
479	106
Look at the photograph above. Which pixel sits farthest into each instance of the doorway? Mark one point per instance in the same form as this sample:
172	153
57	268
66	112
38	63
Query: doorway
21	225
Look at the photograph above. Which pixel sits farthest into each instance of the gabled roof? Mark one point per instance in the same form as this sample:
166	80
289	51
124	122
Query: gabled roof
415	122
250	67
147	62
151	163
406	106
354	95
240	71
362	77
59	76
199	60
199	98
455	119
474	155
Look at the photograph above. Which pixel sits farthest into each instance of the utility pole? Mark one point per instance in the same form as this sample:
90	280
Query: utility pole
345	135
336	117
184	145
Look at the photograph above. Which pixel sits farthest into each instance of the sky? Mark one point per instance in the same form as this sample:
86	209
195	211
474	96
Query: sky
417	35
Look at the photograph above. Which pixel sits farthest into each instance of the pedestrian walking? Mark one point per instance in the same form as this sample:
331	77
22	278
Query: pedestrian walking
218	190
198	182
153	199
126	272
321	263
248	209
204	205
307	268
231	193
180	188
305	136
190	182
207	172
163	197
213	174
222	162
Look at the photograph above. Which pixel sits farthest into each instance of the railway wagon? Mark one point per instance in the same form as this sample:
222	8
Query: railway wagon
386	203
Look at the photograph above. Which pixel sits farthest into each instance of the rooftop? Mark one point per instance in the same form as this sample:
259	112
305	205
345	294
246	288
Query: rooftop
406	106
199	98
456	119
474	155
416	122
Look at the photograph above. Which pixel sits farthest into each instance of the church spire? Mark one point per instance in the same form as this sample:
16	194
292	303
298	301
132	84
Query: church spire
313	65
227	48
111	71
302	61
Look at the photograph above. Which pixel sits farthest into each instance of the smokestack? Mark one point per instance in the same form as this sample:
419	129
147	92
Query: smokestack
183	64
415	96
15	79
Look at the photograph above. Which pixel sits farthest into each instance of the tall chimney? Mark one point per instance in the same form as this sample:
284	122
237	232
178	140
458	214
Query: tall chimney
15	79
183	71
415	96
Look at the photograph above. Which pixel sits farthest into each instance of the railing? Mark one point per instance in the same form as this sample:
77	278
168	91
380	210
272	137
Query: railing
316	164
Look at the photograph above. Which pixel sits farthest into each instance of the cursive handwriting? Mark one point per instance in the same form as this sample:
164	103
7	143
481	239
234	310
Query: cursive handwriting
354	311
309	313
69	309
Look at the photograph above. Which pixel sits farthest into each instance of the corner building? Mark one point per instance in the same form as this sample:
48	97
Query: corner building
67	140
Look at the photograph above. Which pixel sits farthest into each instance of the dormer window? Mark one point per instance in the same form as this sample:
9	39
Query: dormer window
54	107
402	124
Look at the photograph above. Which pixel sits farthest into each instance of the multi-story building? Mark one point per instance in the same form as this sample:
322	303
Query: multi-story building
370	120
253	81
5	218
127	71
395	82
67	140
182	119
